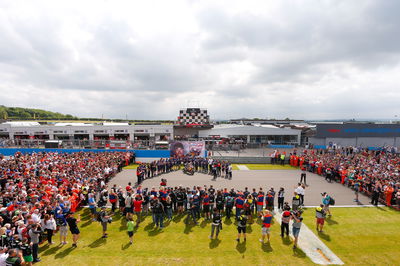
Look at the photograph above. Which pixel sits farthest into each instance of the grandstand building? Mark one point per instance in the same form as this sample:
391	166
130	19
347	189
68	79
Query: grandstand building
82	131
364	135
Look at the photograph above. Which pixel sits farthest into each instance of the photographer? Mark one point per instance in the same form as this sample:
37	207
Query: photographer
297	221
216	224
104	220
34	234
158	211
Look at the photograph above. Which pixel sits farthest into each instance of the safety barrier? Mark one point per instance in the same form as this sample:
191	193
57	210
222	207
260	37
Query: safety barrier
139	153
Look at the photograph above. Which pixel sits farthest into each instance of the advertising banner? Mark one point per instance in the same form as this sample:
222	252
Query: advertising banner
182	148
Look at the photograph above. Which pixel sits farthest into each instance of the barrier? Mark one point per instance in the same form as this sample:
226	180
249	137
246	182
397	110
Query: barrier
320	147
139	153
279	146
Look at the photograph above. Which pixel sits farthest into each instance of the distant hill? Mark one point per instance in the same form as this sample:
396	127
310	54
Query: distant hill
43	116
18	113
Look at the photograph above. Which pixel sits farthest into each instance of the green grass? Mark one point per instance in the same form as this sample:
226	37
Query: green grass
265	167
131	166
359	236
177	244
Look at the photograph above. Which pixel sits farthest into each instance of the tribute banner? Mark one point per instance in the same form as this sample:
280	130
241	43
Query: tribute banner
182	148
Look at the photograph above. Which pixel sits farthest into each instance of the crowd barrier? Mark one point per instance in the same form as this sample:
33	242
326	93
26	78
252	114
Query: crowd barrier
279	146
139	153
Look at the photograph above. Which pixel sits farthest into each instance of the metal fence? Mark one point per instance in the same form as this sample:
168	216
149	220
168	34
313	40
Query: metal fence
83	144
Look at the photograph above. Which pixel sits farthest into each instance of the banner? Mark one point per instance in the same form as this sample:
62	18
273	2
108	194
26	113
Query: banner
182	148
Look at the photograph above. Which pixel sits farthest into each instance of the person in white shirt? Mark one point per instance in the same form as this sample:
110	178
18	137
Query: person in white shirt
3	256
300	191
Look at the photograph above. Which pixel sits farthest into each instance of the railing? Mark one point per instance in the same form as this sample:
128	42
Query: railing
83	144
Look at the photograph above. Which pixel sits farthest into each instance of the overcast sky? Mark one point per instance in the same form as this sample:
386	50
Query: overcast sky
146	59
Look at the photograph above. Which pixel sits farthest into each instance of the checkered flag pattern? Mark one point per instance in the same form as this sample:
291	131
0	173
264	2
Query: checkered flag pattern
193	116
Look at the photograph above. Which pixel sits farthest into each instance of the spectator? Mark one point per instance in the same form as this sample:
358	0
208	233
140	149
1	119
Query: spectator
104	219
216	225
285	223
266	225
49	225
320	216
241	227
281	198
297	221
326	201
73	227
130	229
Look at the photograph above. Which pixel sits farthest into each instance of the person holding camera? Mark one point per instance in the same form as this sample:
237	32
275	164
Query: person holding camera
158	211
266	225
297	221
216	225
34	234
105	219
241	227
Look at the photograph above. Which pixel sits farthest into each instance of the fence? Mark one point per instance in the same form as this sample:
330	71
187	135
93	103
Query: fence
84	144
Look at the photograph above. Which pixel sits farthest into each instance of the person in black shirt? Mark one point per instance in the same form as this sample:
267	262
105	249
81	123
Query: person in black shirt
14	258
216	225
158	211
73	227
26	249
241	227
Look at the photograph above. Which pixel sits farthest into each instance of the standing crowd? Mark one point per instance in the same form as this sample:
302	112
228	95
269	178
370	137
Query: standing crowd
373	173
40	193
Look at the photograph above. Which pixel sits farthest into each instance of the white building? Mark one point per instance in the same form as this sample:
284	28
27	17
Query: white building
254	134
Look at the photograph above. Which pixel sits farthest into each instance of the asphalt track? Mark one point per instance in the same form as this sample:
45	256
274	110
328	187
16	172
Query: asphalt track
266	179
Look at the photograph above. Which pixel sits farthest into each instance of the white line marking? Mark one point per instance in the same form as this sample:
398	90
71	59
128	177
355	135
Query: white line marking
312	246
242	167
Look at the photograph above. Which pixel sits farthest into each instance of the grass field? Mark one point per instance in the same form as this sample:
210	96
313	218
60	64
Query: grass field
131	166
363	236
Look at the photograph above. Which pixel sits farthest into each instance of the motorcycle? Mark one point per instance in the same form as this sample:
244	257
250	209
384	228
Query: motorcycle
188	171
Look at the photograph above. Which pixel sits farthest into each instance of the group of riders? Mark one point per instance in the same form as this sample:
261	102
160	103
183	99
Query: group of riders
191	164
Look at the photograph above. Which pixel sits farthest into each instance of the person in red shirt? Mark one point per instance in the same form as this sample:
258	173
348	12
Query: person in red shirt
137	207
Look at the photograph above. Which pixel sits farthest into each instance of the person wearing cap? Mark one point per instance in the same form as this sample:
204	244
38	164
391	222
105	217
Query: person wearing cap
241	227
320	216
326	199
266	225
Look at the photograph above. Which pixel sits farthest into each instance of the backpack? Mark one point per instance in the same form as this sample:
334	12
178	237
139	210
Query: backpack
331	201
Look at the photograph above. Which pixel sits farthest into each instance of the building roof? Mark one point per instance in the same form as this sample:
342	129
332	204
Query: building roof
21	123
236	130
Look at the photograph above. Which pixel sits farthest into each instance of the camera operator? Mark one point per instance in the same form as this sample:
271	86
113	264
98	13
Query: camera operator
34	234
104	220
297	221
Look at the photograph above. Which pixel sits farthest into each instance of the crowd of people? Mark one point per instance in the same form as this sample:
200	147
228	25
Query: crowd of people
40	193
374	173
202	201
191	164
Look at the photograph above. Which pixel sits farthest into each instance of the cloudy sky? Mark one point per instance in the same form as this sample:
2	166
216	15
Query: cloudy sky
276	59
